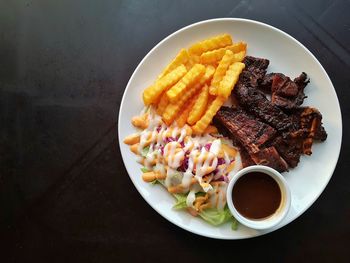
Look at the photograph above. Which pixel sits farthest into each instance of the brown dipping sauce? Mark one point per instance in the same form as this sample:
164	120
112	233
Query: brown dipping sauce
256	195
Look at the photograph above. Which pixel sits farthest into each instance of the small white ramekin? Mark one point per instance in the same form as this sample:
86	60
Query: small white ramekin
280	213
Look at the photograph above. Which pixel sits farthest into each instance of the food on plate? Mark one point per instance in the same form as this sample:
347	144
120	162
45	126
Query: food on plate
214	56
285	93
192	145
209	44
195	168
182	118
152	93
213	108
176	144
185	83
199	106
162	104
252	134
229	67
220	71
171	101
181	58
230	79
289	130
172	109
265	190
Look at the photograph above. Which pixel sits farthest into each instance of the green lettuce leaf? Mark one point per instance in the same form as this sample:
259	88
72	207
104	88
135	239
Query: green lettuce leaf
145	151
155	182
234	224
215	217
212	215
145	170
180	201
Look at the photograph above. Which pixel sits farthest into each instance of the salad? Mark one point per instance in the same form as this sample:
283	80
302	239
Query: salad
195	169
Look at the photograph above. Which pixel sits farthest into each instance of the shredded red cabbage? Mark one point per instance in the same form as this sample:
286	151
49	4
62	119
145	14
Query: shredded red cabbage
184	165
207	146
221	161
221	178
169	139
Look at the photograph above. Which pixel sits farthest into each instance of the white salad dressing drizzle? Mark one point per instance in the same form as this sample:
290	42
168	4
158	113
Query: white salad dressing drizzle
173	177
215	147
218	195
170	146
159	168
191	197
174	154
175	132
237	167
227	159
183	133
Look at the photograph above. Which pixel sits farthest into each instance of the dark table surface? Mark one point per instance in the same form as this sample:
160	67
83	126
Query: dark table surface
64	192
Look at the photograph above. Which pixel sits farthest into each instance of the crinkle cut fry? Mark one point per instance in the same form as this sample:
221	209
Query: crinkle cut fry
185	83
181	58
182	118
230	79
172	109
220	71
152	93
199	106
210	44
206	119
214	56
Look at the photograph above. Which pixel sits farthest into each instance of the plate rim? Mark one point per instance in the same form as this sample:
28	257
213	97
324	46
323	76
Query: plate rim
233	20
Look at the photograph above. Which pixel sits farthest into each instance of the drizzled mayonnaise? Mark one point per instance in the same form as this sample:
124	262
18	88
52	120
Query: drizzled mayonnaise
190	164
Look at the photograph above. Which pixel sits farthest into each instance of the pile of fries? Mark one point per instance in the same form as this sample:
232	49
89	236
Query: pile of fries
193	87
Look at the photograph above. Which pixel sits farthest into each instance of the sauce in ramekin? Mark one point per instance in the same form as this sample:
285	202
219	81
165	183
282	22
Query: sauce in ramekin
256	195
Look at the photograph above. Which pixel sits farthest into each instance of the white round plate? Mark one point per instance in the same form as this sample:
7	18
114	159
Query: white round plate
286	55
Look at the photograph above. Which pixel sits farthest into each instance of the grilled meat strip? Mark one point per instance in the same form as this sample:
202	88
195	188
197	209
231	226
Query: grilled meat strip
270	157
285	93
310	127
254	72
266	82
245	157
310	120
252	134
290	149
255	102
301	82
